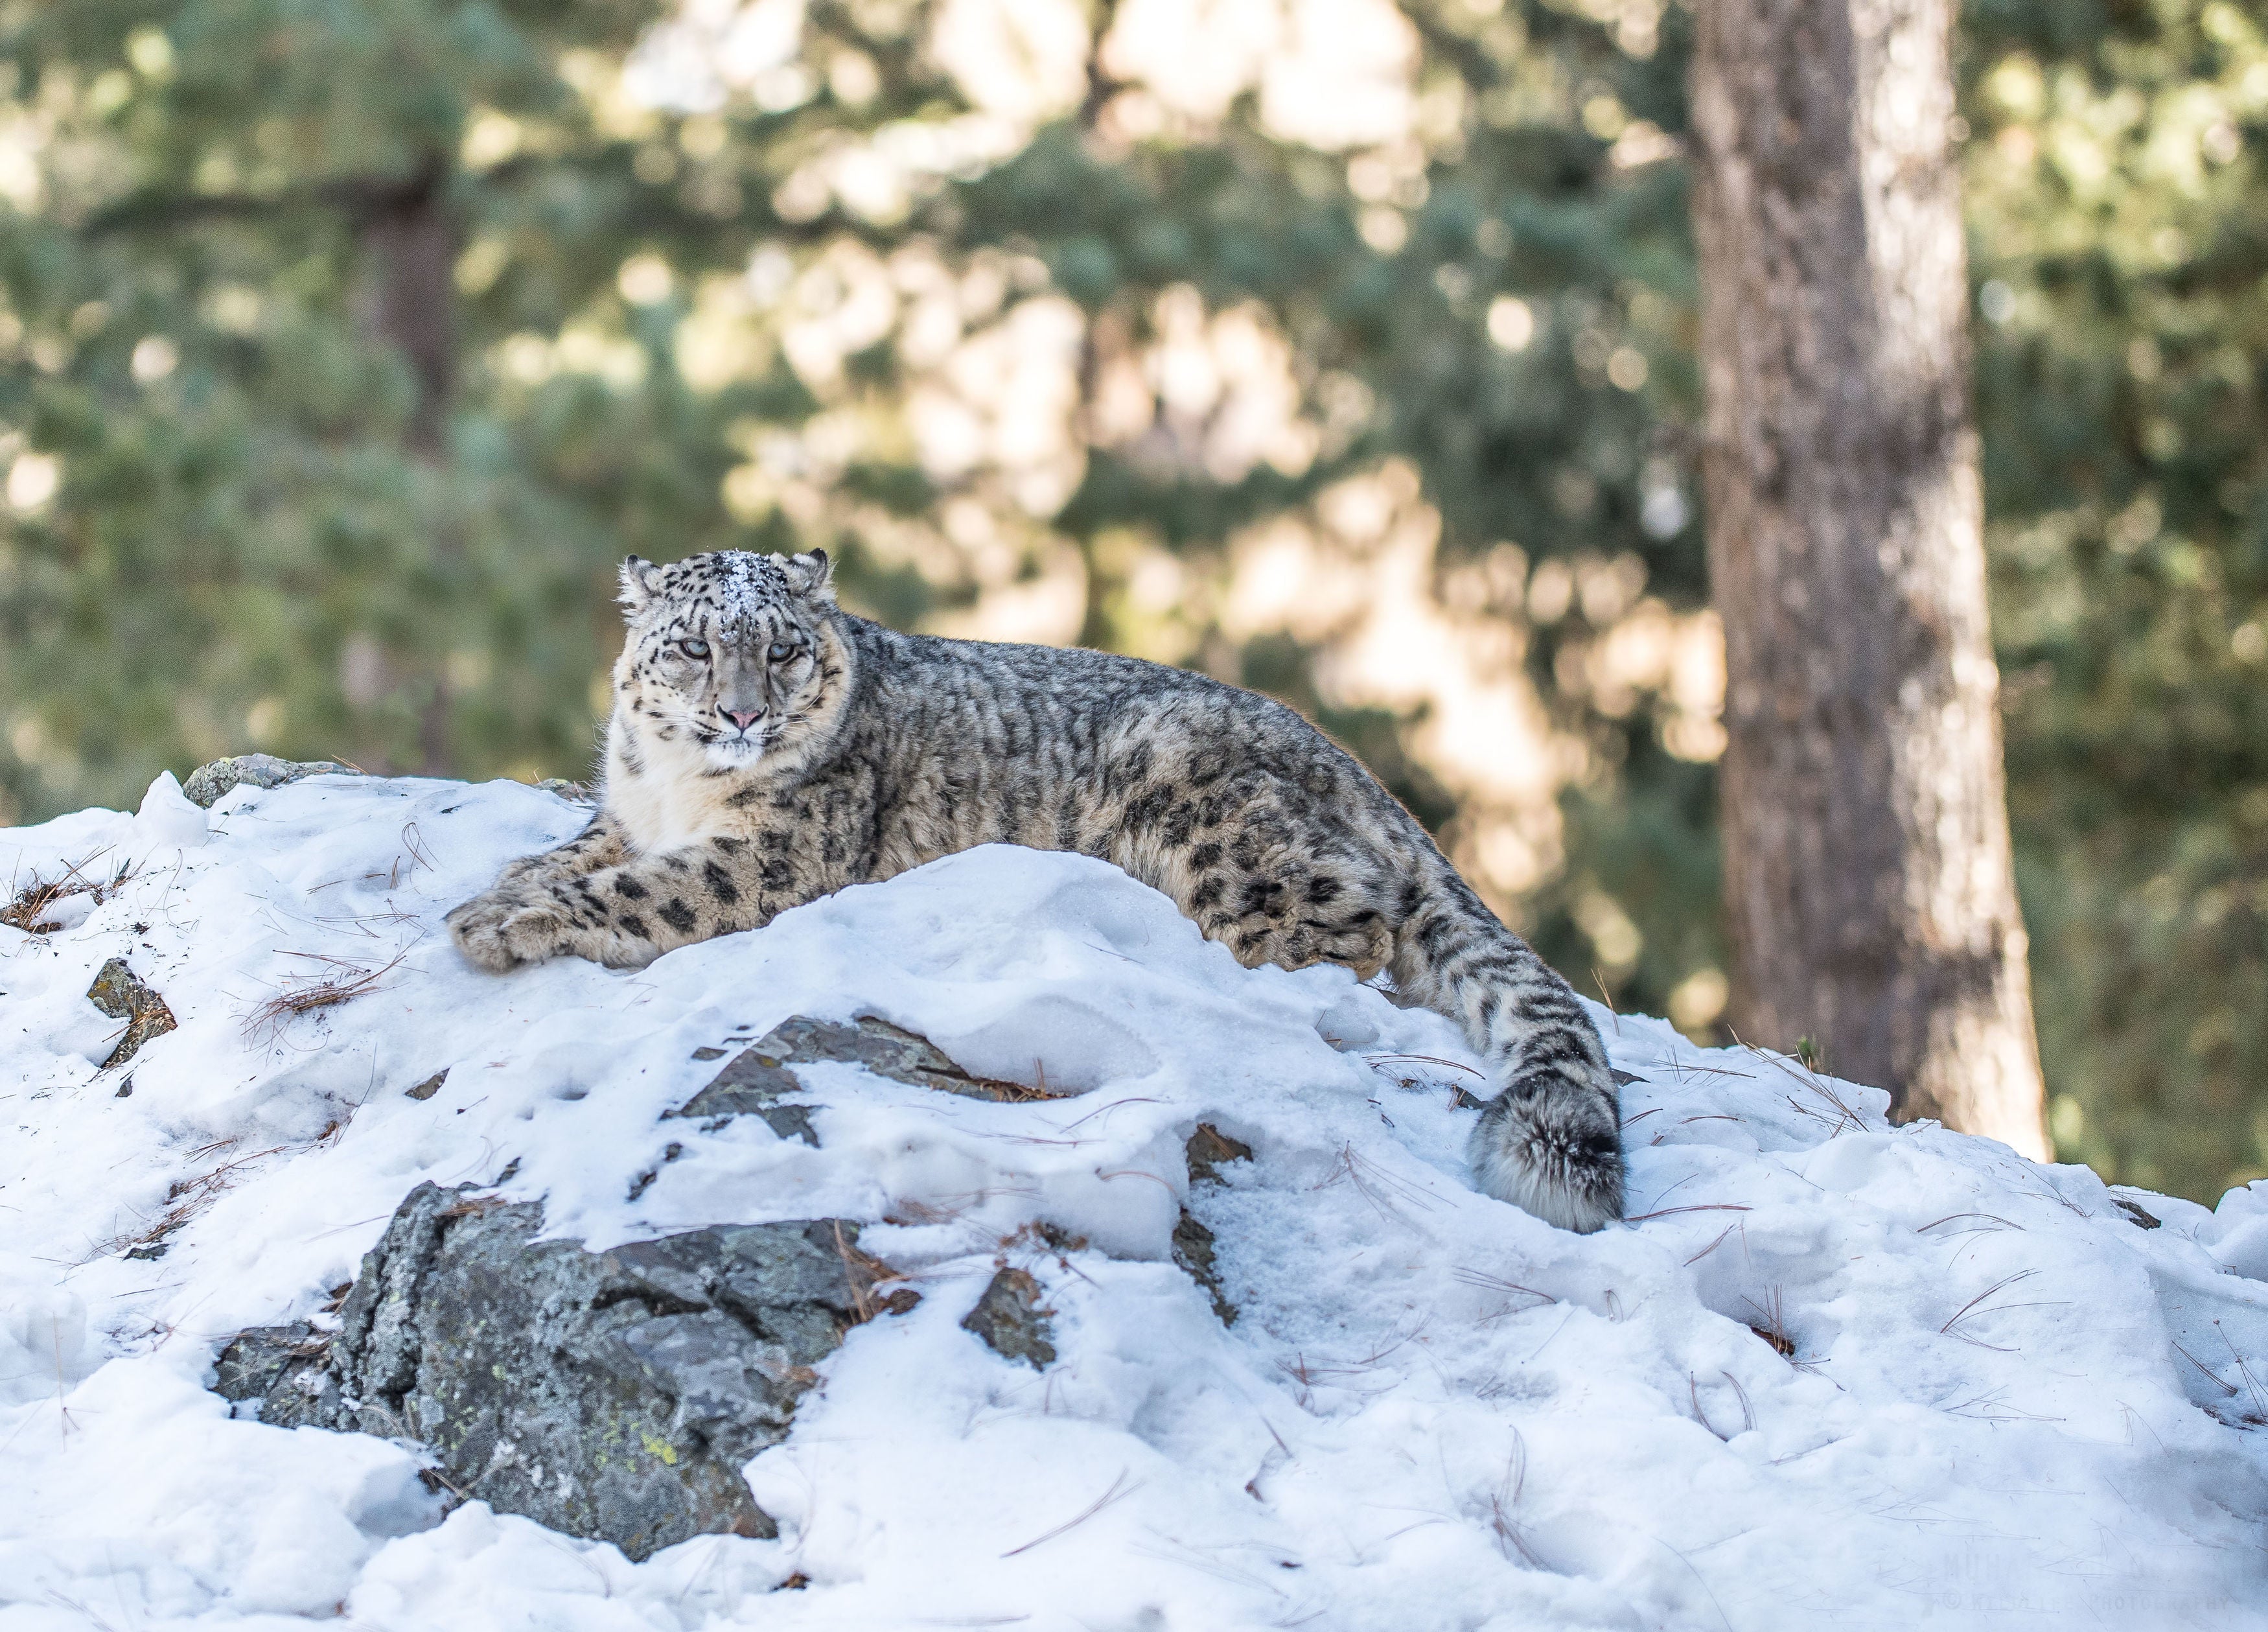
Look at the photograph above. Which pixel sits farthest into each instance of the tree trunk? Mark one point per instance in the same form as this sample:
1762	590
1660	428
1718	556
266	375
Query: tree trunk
1870	895
409	238
409	243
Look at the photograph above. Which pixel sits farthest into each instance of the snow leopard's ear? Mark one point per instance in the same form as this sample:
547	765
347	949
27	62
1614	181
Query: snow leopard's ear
812	574
641	583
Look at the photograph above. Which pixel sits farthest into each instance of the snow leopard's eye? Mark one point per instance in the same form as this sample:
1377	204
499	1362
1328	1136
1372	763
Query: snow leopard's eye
693	648
780	651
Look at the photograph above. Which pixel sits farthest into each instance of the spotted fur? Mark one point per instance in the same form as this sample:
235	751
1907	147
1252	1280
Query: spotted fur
768	748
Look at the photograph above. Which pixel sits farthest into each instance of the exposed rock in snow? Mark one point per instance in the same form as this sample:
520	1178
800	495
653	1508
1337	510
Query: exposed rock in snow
1209	1151
118	994
1832	1373
759	1078
1011	1320
207	783
609	1395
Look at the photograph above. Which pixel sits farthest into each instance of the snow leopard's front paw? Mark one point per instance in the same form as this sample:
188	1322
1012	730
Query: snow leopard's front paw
501	929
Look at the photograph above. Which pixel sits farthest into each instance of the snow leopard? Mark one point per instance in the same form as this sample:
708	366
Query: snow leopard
768	748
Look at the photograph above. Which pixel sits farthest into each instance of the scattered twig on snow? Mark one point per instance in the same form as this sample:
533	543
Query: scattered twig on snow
1664	1195
1375	1185
1738	1223
1547	1342
1967	1308
1697	1206
2244	1371
1497	1283
2226	1388
1693	1393
1993	1407
1975	1230
286	1005
1599	980
866	1310
1458	1095
1679	1067
1133	1100
1041	1239
1844	1111
2065	1202
185	1198
413	840
1770	1323
913	1212
31	900
472	1207
1133	1172
1504	1501
1306	1375
1119	1488
1748	1414
947	1209
56	1596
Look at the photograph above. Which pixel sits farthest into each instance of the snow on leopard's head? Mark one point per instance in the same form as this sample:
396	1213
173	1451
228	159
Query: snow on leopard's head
731	658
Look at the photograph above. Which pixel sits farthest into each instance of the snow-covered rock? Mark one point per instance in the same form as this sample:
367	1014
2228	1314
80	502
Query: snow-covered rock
1831	1374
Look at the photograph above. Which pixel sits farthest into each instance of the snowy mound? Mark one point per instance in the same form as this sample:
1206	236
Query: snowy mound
1832	1373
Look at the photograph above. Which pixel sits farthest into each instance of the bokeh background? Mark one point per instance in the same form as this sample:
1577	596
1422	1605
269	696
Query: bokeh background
1341	348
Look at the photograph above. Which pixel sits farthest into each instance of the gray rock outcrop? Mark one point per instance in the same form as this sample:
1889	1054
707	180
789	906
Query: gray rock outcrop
1012	1320
121	994
1209	1151
755	1081
612	1395
617	1395
207	783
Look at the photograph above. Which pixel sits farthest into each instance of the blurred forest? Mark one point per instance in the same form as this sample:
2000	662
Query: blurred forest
1343	349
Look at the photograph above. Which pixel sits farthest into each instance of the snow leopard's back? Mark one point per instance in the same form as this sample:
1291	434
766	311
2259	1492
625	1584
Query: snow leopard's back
1275	840
768	748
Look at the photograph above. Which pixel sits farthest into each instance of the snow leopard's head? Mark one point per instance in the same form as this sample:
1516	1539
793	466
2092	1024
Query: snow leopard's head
732	656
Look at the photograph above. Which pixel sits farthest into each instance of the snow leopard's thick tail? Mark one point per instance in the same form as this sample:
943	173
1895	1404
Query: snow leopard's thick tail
1550	1141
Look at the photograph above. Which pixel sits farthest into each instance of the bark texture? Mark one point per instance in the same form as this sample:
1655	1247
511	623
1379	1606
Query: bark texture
410	240
1870	898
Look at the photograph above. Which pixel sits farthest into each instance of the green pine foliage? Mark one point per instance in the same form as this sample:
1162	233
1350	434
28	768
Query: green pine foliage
2120	245
239	514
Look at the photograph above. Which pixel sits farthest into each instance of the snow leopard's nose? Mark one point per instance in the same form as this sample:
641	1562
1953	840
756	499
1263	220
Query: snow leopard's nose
741	719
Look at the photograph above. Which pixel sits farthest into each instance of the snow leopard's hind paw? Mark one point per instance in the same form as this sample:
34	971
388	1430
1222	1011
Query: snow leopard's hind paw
1552	1147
